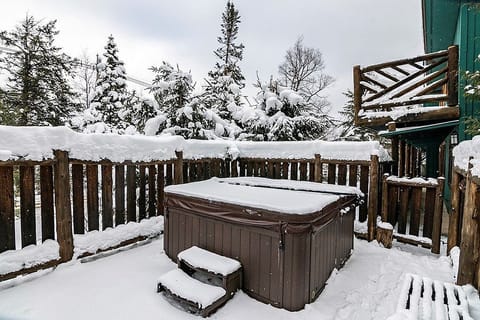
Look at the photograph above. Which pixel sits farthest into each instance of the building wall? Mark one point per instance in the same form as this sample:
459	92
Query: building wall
467	37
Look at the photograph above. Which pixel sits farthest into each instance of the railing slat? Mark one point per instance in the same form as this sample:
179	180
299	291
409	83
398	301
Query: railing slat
27	205
46	204
160	186
415	212
78	199
92	197
119	194
107	201
131	194
151	190
142	211
7	211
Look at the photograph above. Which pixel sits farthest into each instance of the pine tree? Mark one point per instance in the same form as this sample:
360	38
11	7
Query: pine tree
137	111
224	83
110	88
180	113
37	90
287	116
348	129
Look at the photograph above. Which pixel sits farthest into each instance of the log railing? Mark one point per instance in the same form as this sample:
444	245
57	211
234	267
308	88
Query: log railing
464	225
431	78
417	205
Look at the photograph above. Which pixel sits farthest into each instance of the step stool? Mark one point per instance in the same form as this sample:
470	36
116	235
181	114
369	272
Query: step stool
424	298
203	282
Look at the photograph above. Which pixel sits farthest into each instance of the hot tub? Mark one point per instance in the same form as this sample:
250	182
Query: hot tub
288	235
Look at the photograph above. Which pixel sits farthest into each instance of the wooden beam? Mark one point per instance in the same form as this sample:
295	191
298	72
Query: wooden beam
63	205
468	246
437	216
390	64
452	76
453	221
373	198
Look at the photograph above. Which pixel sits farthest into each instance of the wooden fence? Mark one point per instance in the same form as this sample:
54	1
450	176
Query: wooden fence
405	201
77	196
464	226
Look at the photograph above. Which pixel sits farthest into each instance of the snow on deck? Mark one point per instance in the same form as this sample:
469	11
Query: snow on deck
278	200
292	185
207	260
367	287
180	284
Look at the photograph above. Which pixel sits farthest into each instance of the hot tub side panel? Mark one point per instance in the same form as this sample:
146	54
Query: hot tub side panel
256	248
345	237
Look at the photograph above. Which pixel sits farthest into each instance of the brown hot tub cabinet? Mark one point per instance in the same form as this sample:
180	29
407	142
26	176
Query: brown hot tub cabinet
286	257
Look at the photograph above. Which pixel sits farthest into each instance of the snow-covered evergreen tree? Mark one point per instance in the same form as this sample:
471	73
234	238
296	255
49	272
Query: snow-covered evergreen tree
137	110
347	126
225	81
110	89
38	90
283	115
179	112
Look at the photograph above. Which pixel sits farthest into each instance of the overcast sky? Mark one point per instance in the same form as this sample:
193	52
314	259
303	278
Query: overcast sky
347	32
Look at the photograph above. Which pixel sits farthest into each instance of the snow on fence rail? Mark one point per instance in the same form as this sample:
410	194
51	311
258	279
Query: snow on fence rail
94	182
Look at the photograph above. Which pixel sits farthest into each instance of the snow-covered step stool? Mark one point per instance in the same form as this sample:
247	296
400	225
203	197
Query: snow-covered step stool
211	268
203	282
190	294
424	298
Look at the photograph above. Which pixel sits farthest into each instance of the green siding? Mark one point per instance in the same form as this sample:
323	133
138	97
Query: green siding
439	21
468	39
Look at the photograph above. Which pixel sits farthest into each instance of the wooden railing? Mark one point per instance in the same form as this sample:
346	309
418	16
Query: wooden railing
406	201
431	78
76	196
464	225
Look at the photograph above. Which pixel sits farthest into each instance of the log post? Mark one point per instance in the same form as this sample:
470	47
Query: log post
178	168
318	168
373	198
395	159
385	198
454	219
452	76
357	92
468	246
63	206
437	216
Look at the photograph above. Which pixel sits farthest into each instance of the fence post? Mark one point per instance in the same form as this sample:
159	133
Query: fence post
357	92
469	244
452	76
178	168
373	198
63	206
437	216
453	219
318	168
384	211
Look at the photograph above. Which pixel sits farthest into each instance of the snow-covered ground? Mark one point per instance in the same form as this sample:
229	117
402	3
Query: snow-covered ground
123	286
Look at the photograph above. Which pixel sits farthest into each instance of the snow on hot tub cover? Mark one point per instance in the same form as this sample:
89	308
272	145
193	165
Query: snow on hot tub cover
272	199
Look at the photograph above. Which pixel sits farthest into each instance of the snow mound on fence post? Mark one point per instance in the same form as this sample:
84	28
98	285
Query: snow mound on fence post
466	149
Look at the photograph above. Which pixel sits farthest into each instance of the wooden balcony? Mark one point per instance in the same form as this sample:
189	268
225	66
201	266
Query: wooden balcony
399	90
